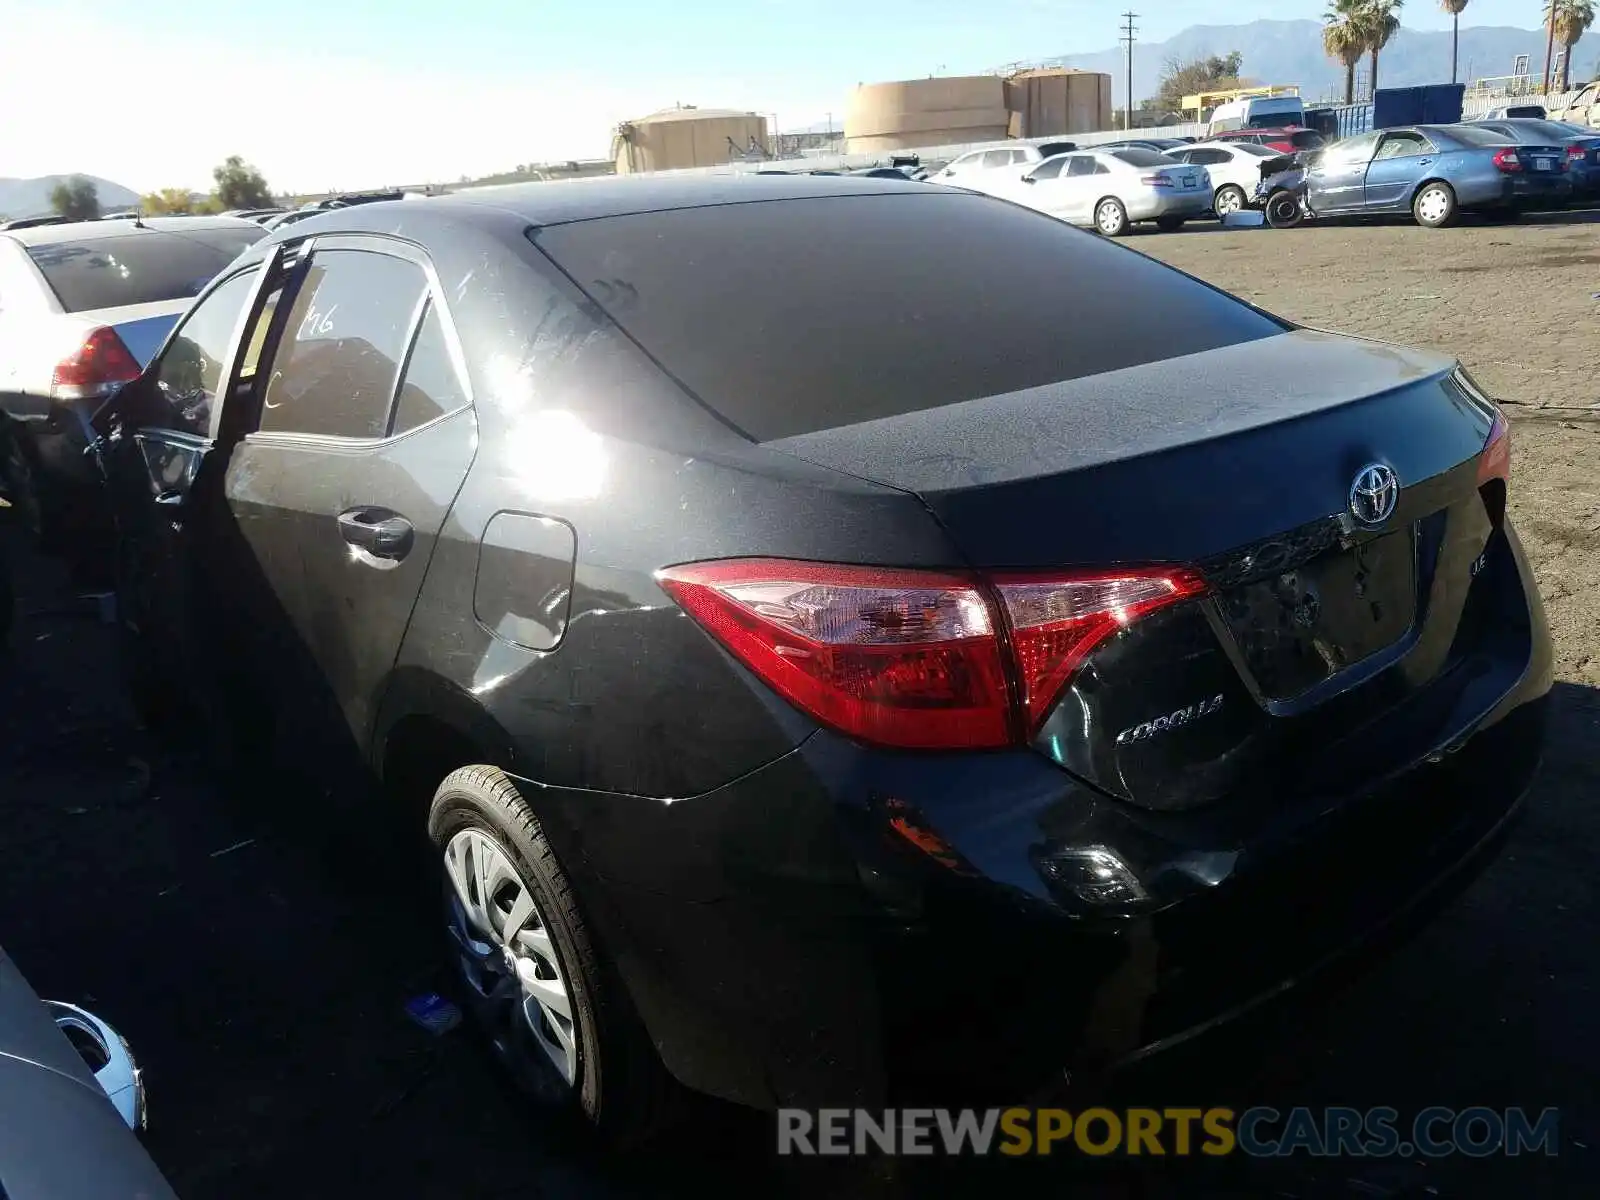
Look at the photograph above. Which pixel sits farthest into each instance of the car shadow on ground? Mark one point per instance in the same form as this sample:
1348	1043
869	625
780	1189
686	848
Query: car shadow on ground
253	946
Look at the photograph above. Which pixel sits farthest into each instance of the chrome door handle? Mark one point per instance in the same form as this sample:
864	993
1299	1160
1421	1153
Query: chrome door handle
377	531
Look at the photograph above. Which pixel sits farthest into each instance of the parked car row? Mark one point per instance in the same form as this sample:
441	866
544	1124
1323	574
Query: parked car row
1437	172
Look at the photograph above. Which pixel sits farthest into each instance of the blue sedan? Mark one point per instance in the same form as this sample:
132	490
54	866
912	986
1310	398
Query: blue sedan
1582	145
1435	172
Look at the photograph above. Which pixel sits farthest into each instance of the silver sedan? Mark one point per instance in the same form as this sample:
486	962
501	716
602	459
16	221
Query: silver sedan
1110	190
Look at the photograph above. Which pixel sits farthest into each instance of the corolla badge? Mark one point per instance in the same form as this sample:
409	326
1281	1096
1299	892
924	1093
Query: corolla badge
1374	494
1173	720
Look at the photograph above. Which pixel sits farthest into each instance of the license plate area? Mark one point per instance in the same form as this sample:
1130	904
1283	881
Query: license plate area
1301	626
1544	164
1188	181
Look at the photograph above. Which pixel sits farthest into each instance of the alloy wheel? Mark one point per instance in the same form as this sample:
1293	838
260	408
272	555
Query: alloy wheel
509	963
1229	200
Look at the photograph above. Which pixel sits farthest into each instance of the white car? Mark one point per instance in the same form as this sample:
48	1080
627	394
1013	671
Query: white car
989	170
1112	189
1234	167
83	306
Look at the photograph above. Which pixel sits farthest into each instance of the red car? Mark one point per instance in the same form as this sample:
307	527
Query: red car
1285	141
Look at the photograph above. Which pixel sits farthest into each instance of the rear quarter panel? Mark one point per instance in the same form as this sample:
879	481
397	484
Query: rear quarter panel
1472	174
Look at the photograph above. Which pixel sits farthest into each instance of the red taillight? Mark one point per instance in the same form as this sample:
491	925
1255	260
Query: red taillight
916	659
93	367
1155	180
1576	154
903	658
1495	460
1507	159
1056	623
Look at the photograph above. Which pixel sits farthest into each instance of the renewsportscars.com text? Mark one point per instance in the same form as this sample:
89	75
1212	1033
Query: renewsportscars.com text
1260	1132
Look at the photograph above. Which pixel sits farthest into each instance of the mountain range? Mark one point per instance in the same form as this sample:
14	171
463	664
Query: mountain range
1291	52
31	197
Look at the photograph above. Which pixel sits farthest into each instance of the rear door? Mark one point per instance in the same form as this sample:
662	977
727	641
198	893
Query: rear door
365	433
1404	157
1337	181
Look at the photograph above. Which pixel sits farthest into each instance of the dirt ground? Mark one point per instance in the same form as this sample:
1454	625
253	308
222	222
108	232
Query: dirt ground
254	948
1518	304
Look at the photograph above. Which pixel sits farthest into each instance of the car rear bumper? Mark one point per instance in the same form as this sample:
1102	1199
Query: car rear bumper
1148	207
1531	188
853	926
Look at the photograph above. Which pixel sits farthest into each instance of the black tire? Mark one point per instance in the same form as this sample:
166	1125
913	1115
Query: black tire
1110	217
1283	210
1170	224
1229	197
1434	205
621	1091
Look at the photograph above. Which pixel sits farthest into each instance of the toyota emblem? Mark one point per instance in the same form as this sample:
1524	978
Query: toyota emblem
1374	494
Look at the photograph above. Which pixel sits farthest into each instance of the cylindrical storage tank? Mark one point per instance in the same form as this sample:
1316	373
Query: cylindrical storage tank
1053	102
686	137
946	111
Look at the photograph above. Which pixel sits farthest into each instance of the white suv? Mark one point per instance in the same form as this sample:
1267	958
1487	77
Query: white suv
982	170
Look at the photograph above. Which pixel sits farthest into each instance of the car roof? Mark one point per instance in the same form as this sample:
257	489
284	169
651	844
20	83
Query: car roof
49	235
588	199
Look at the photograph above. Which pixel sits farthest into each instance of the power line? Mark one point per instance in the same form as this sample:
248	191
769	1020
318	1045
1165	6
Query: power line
1128	32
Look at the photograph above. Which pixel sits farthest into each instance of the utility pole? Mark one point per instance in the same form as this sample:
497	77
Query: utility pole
1128	31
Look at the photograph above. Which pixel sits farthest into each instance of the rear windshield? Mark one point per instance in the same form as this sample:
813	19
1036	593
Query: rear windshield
792	316
1471	135
137	268
1551	131
1138	156
1272	120
1257	149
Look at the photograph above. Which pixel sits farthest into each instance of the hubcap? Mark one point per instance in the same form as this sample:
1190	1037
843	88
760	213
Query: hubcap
508	961
1227	202
1433	205
1110	218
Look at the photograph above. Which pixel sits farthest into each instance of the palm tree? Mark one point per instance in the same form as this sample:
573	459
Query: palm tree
1568	20
1380	20
1344	39
1454	7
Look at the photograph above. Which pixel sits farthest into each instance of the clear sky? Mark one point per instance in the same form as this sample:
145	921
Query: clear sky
349	93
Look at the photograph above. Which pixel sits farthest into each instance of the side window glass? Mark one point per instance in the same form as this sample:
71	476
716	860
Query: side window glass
190	370
431	387
1081	165
1048	170
334	370
1100	168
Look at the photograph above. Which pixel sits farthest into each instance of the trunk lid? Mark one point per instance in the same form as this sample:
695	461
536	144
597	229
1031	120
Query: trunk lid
1542	160
142	327
1249	462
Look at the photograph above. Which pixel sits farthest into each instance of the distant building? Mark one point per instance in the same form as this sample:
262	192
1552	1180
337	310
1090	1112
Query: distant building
954	110
688	137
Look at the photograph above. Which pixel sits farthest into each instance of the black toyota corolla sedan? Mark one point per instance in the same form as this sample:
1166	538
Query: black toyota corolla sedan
844	641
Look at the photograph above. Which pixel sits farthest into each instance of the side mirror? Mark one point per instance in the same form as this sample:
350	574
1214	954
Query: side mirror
1029	179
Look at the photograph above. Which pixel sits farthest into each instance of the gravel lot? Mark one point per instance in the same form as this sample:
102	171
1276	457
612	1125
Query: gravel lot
257	950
